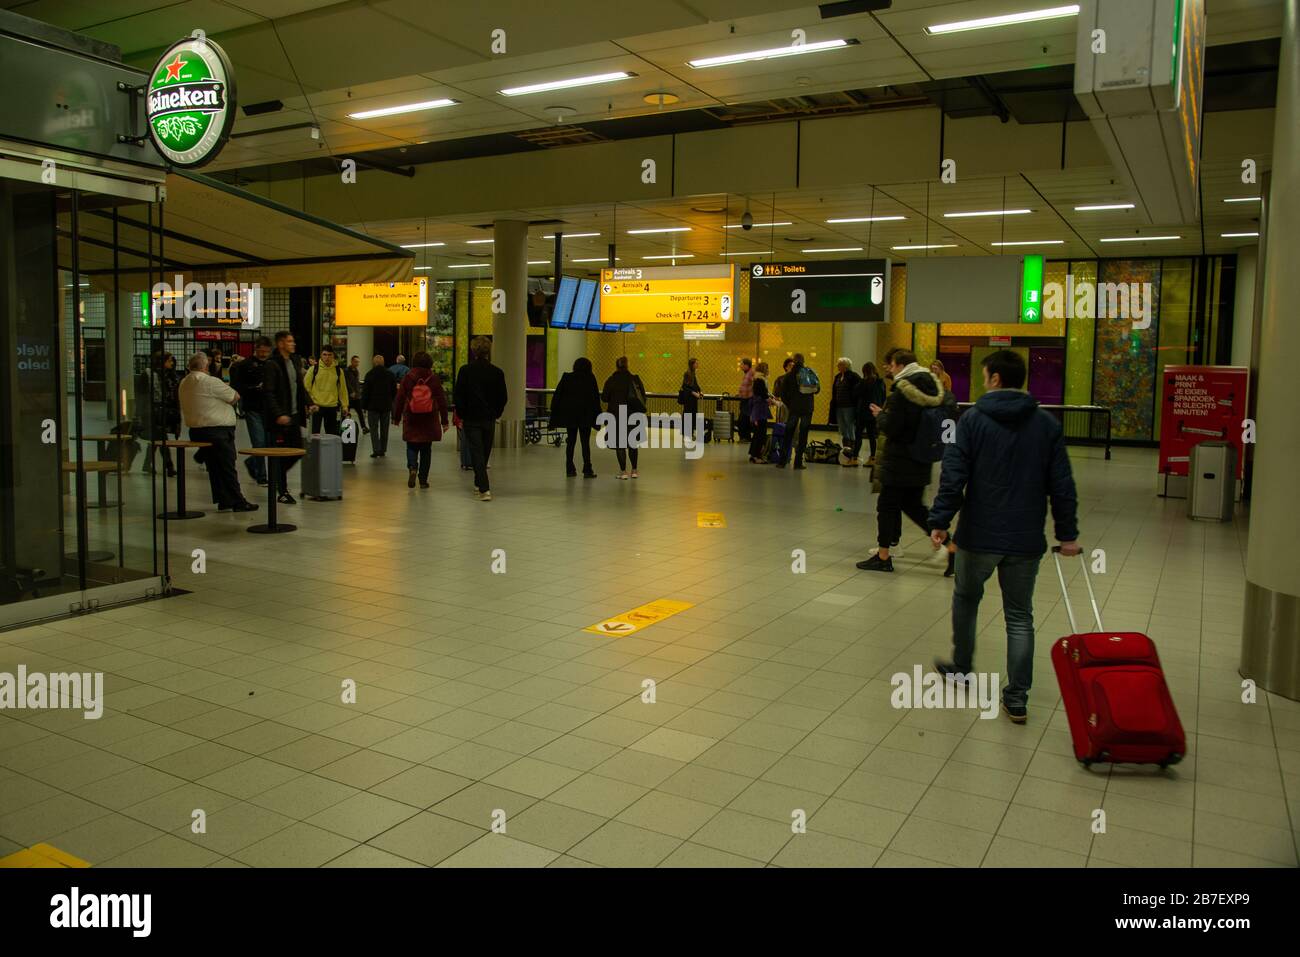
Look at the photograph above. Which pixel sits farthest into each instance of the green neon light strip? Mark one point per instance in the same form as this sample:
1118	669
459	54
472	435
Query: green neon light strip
1031	290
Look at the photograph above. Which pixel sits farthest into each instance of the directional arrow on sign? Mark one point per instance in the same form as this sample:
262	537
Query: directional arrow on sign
615	627
1031	313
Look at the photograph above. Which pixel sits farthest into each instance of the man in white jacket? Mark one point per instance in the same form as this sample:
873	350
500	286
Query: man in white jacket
208	407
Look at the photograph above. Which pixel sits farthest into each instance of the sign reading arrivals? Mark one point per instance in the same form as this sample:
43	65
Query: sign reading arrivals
190	102
382	304
846	290
694	294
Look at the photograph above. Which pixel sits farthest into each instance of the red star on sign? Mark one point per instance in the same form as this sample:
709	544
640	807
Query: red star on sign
174	68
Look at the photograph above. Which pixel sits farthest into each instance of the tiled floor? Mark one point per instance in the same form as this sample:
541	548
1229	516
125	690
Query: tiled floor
481	700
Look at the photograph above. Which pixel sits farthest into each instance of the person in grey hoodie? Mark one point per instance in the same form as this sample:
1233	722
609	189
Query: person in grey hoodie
1007	463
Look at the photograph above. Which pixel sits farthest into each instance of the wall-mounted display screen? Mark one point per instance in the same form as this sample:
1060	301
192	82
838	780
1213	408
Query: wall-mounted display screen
846	290
564	302
382	304
582	306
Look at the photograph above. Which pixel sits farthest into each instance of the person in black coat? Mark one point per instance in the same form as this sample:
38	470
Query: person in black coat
1007	463
286	405
903	478
378	390
844	410
480	397
574	407
799	405
689	395
870	391
624	394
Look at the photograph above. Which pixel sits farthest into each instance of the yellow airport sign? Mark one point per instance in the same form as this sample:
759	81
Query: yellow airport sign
710	520
633	621
684	294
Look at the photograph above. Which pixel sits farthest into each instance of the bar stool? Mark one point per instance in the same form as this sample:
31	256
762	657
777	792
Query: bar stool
102	453
180	448
275	479
101	469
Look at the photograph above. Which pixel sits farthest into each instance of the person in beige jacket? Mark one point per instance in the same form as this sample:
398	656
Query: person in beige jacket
208	408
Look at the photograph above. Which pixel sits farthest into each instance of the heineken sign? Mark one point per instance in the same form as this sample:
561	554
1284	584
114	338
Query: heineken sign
190	102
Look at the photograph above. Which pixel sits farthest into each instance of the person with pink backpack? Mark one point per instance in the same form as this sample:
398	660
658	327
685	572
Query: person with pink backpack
421	409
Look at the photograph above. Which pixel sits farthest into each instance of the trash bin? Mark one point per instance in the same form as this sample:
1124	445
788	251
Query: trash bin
1212	481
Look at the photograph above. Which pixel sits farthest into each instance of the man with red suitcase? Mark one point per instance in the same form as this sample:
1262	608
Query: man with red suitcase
1007	462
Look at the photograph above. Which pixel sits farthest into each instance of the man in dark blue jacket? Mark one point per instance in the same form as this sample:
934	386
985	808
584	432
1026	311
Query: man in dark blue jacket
1008	459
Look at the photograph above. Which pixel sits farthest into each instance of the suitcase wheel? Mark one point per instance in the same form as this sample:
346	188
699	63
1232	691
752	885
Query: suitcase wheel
1086	762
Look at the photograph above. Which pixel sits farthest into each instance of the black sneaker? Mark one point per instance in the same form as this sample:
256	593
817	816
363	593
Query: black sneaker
800	467
588	474
952	565
951	671
374	455
244	507
570	473
1018	713
284	498
424	485
877	564
225	508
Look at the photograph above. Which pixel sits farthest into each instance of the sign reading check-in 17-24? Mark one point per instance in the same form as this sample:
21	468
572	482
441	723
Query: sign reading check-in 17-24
190	103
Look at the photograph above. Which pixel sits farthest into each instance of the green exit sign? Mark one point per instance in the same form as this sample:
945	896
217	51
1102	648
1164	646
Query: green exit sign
1031	290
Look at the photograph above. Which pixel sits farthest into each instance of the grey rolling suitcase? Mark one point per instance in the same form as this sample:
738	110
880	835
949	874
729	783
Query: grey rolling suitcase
722	426
322	469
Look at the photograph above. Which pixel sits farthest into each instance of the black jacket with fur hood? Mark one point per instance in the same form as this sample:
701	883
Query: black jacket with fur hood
916	388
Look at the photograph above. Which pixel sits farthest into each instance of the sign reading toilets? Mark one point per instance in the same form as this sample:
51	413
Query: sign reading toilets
844	290
190	102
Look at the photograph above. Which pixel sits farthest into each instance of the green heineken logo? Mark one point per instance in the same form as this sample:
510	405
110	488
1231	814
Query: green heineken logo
190	103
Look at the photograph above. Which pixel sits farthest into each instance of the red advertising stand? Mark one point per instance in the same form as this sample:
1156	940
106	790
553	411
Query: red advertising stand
1201	403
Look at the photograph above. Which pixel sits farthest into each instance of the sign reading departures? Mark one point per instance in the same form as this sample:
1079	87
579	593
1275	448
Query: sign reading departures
846	290
190	102
694	294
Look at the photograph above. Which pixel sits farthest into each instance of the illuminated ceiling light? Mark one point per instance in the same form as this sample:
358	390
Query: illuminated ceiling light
421	268
755	225
931	246
566	84
408	108
988	212
674	256
572	235
539	262
598	259
1100	206
478	242
467	266
1004	20
1243	199
664	229
1238	235
1033	242
771	54
834	249
867	219
756	252
420	245
1136	239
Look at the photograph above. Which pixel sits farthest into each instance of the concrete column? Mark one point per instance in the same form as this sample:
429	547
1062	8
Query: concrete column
1270	650
510	330
1243	308
858	342
570	344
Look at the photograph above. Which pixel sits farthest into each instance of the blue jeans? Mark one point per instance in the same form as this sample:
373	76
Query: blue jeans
1016	574
256	464
418	456
846	420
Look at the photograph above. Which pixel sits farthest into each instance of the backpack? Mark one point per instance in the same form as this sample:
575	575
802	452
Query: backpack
928	445
809	384
824	452
421	401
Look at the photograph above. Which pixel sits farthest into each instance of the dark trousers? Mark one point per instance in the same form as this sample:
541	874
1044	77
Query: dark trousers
744	427
623	456
329	417
867	428
759	437
1016	574
418	457
480	435
575	434
894	502
287	437
220	463
359	414
379	431
796	434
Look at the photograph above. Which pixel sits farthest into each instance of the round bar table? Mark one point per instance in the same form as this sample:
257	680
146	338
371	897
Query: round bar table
101	468
272	527
102	453
180	447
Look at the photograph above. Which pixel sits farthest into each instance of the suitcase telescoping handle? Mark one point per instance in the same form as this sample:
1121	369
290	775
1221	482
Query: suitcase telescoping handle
1065	595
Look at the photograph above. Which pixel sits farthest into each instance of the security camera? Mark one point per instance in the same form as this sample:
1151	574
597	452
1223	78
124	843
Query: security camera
747	221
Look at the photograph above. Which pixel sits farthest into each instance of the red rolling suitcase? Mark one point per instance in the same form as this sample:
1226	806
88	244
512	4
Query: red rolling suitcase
1114	691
